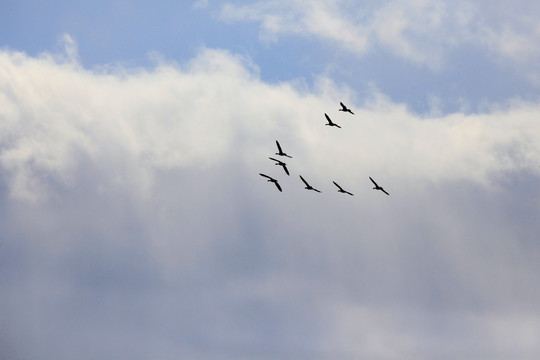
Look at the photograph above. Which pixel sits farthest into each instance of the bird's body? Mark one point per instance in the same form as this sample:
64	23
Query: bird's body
280	152
308	187
344	108
282	164
377	187
330	123
340	189
271	179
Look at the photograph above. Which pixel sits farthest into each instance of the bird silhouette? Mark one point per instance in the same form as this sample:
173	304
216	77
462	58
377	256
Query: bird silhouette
377	187
330	123
341	189
271	179
281	163
280	152
344	108
308	187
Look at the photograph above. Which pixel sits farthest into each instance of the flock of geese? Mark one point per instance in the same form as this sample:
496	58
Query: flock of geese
308	186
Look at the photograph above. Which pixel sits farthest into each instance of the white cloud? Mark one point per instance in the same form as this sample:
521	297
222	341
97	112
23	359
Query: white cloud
211	109
317	18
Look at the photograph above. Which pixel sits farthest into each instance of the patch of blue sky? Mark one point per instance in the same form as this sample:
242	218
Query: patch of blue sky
106	32
128	31
468	82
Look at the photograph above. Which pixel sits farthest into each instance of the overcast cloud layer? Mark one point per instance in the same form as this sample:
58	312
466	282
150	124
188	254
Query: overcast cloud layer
135	223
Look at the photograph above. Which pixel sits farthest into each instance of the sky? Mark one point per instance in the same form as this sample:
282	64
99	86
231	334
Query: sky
135	223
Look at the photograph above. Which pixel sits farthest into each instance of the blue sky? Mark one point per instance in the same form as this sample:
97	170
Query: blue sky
471	72
135	223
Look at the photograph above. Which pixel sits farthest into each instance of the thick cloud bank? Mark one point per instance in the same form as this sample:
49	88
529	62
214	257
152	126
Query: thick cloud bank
135	224
215	108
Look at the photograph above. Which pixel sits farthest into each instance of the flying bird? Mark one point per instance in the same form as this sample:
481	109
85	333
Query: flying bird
344	108
280	152
308	187
280	163
271	179
330	123
341	189
377	187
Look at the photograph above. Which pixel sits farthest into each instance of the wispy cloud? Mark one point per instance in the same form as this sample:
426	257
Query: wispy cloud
200	4
423	31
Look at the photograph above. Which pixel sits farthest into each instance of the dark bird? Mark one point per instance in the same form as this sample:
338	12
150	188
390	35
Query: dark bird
377	187
281	153
341	189
330	123
344	108
271	179
281	163
308	187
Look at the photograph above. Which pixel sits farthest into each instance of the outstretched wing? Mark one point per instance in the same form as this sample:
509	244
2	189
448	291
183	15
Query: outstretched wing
336	125
305	182
276	160
339	187
316	190
285	168
266	176
346	192
279	147
373	181
384	191
277	185
327	118
343	107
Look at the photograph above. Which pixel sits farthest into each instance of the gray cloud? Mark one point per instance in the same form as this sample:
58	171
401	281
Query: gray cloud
135	223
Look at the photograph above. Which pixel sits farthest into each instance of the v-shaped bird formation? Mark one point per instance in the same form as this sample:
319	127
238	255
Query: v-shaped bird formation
281	163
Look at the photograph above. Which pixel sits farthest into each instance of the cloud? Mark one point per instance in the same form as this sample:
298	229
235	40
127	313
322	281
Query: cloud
510	336
200	4
424	32
134	218
209	109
